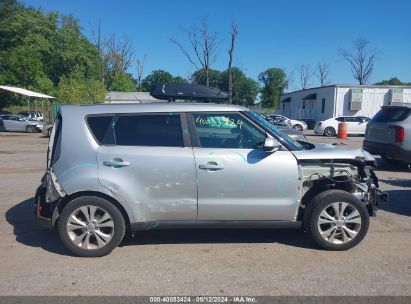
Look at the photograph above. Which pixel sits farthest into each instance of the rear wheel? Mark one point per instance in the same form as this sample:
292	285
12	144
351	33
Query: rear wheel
329	131
298	127
30	129
336	220
91	226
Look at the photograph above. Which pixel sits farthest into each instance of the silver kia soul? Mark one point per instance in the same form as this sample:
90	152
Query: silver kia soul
115	168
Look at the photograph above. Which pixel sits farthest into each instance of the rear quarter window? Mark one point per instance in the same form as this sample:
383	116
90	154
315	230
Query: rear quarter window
392	114
99	125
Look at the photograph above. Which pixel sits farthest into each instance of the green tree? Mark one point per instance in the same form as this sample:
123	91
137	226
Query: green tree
39	51
179	79
156	77
274	82
76	88
393	81
122	82
199	77
245	89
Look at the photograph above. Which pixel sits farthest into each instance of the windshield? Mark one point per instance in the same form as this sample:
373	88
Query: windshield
392	114
289	142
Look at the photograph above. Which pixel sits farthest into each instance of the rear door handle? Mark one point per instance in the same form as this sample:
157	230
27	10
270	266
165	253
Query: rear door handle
116	163
211	166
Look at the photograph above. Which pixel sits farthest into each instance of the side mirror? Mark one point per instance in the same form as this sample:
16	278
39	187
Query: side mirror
271	145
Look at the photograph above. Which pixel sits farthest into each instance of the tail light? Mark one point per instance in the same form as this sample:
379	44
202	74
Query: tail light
399	134
320	123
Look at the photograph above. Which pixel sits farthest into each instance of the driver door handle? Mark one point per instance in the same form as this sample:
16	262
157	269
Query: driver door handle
211	166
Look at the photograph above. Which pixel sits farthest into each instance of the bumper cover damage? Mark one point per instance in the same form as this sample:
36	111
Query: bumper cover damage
48	195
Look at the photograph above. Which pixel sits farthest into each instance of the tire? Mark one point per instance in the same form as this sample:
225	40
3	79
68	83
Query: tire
338	238
298	127
91	240
49	132
30	129
330	131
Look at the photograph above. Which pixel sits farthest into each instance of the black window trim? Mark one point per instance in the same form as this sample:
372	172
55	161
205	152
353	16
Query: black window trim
56	139
183	125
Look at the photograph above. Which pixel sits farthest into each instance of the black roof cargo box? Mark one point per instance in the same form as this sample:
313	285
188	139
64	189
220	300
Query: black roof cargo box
186	91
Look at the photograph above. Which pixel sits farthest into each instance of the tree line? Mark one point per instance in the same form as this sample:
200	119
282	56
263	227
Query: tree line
47	52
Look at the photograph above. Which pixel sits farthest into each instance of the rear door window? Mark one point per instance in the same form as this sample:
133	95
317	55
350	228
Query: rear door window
392	114
162	130
350	119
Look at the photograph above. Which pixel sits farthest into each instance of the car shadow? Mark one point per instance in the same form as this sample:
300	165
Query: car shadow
399	182
384	166
398	202
29	233
289	237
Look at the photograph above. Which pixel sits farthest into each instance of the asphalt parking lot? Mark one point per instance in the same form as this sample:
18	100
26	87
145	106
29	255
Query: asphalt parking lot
196	262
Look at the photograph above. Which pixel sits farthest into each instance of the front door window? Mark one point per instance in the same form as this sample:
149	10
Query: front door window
231	131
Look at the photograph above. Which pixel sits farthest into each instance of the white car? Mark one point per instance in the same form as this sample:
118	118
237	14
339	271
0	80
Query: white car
295	124
329	127
34	115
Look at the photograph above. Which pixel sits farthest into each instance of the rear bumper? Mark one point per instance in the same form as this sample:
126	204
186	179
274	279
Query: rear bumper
392	151
43	211
318	130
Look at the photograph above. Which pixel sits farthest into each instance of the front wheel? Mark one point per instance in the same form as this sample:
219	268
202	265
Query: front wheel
336	220
30	129
91	226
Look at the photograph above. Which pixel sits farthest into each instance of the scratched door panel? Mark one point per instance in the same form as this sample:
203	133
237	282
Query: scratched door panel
236	179
253	185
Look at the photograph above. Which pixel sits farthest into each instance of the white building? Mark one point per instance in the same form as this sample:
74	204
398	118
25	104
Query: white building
334	100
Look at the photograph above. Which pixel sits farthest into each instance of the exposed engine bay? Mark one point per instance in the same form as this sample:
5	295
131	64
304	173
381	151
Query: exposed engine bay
355	176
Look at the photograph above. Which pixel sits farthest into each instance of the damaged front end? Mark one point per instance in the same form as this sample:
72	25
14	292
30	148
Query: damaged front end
368	186
355	175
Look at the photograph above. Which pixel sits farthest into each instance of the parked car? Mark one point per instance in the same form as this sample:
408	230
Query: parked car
389	134
36	115
170	165
17	123
295	124
329	127
286	129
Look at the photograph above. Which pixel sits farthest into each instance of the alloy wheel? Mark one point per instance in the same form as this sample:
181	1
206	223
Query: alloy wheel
90	227
329	131
30	129
339	222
